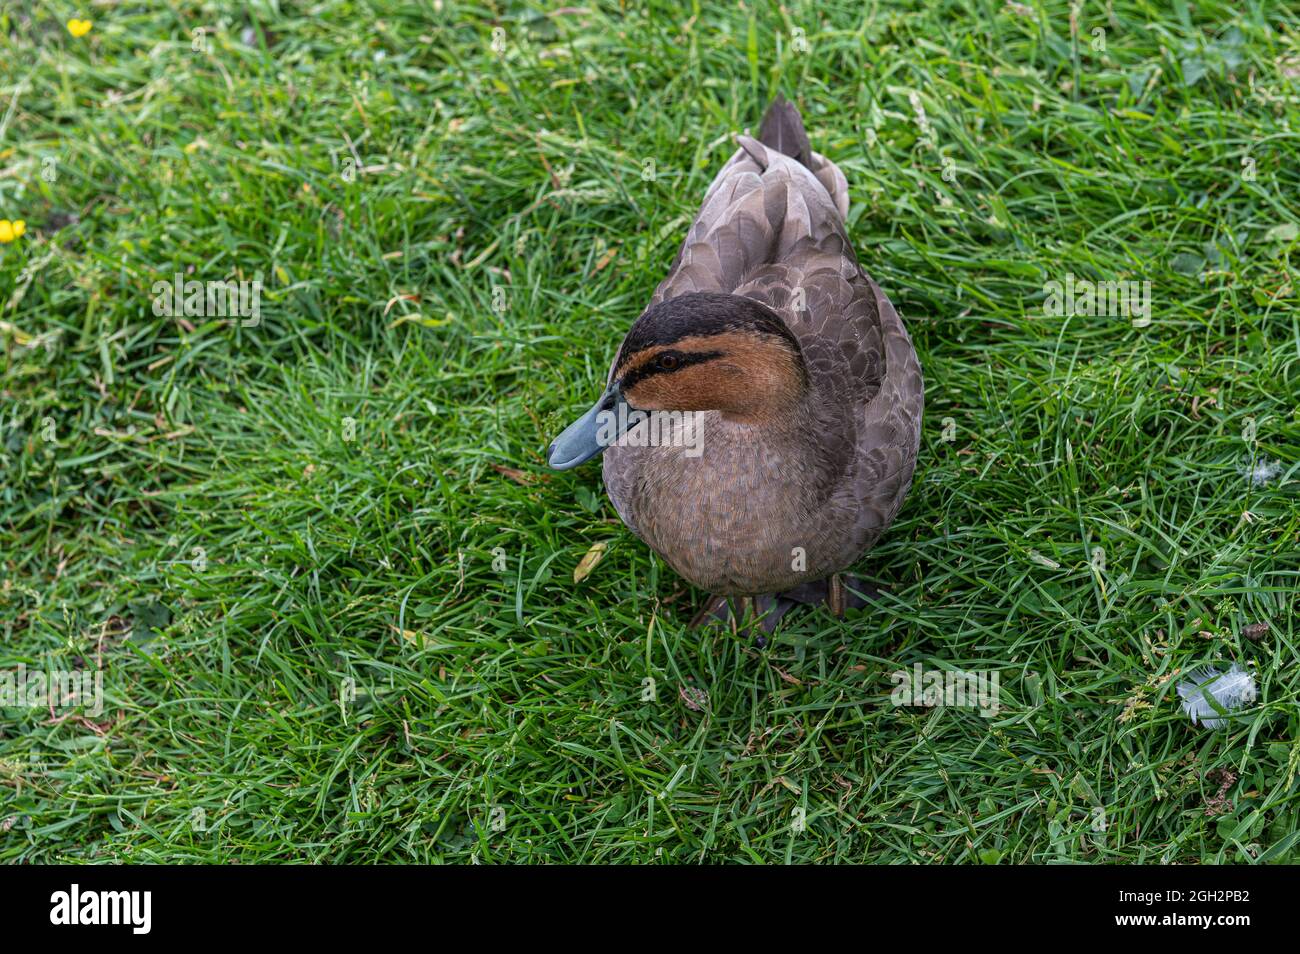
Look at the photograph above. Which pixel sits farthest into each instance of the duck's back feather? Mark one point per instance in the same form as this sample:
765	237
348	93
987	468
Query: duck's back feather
782	129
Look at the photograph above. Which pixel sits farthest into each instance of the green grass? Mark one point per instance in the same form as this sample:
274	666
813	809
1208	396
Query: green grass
201	528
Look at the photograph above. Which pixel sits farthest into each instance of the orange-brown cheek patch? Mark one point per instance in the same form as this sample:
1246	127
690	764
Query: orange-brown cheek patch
696	388
752	376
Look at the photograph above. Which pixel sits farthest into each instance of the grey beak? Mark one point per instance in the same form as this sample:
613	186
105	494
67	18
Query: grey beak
590	434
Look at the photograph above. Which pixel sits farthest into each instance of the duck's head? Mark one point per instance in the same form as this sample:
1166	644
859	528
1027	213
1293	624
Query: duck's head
699	352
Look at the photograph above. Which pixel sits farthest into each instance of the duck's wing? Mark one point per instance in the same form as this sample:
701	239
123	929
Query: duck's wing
759	209
772	229
889	431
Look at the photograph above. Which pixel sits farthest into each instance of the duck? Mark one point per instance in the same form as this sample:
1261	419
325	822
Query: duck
787	389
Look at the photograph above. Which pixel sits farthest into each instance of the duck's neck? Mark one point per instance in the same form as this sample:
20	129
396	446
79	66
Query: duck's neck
809	434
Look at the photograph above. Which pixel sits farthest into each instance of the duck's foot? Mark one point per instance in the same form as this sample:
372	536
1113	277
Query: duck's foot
751	616
837	592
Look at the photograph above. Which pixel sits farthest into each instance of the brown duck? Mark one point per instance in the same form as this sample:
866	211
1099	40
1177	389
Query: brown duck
804	388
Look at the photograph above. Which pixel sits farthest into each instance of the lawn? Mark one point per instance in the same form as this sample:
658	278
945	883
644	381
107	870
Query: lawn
328	582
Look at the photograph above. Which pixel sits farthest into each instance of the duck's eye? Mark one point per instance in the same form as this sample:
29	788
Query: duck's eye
669	362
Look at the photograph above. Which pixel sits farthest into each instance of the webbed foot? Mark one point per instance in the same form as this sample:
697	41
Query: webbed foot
752	616
757	616
838	592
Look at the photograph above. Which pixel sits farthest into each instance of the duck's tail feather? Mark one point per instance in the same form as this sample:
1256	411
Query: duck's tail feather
783	131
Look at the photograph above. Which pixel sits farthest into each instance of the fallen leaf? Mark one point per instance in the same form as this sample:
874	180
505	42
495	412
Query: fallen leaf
1043	561
787	677
789	784
519	476
421	320
395	300
606	258
410	635
588	562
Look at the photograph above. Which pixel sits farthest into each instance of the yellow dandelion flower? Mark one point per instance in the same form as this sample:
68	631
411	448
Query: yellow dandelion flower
11	230
79	28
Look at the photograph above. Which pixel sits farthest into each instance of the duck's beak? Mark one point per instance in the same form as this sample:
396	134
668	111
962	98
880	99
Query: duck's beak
590	434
